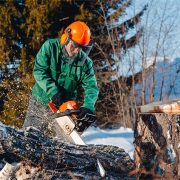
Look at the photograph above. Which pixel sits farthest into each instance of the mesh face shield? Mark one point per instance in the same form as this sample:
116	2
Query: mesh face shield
84	51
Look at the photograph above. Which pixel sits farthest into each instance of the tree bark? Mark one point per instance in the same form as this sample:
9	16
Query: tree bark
157	137
61	160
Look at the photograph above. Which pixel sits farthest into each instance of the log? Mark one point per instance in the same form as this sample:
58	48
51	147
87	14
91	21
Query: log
157	137
169	107
55	159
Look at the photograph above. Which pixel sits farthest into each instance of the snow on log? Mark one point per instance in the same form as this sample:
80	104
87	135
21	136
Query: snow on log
170	107
56	159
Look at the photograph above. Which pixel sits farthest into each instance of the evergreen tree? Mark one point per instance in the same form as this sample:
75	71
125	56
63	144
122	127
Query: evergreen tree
9	36
25	26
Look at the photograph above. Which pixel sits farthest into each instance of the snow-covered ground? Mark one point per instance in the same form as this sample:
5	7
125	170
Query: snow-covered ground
122	137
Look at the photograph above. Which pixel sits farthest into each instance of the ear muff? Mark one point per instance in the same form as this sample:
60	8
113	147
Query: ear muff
66	36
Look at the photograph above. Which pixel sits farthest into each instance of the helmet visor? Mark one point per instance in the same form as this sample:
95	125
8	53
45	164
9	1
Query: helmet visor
85	50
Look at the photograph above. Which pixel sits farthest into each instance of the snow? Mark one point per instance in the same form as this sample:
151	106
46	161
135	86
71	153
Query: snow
122	138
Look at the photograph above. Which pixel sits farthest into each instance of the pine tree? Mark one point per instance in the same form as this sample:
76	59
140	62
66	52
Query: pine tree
9	36
25	26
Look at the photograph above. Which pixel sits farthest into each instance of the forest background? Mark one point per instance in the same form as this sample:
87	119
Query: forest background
135	53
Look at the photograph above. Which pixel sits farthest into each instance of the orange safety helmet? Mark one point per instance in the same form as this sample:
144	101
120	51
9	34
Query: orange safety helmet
78	32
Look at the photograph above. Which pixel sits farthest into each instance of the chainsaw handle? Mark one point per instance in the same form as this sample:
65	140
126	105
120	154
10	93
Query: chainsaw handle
68	112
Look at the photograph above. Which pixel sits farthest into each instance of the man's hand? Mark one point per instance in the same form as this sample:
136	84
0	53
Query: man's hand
57	100
85	118
86	115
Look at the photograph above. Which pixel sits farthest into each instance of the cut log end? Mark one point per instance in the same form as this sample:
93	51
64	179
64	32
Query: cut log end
157	137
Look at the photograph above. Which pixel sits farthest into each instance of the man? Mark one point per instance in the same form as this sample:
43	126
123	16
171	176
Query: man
60	67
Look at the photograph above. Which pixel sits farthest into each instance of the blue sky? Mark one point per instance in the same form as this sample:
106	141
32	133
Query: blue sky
162	32
164	16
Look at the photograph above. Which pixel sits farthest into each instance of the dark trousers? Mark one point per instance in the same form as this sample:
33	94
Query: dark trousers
39	116
42	118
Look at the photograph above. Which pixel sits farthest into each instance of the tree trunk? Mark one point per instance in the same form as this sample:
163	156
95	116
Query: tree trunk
157	137
61	160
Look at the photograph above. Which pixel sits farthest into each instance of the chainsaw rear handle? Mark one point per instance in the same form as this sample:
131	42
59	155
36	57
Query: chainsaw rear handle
68	112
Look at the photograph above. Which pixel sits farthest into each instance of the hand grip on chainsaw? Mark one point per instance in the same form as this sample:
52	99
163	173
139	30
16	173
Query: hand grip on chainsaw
69	112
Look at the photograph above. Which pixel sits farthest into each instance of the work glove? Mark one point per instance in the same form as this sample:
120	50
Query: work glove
59	97
84	119
57	100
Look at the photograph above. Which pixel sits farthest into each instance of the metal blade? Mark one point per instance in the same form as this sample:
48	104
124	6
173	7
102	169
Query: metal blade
68	126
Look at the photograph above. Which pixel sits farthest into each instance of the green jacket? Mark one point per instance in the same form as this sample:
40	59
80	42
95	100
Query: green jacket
51	71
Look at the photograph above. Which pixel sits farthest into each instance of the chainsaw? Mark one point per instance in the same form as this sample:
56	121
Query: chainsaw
68	123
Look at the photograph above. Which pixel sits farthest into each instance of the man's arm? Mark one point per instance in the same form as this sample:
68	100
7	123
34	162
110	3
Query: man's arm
89	85
42	70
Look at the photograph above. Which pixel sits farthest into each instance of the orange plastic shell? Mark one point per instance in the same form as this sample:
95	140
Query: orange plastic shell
80	33
68	105
52	107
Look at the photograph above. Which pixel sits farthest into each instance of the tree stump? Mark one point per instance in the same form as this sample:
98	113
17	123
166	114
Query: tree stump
157	140
54	159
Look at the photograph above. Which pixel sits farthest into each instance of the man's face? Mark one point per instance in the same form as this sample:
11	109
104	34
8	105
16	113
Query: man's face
72	49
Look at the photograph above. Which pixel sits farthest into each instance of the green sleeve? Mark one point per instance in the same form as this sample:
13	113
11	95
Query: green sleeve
89	85
42	73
